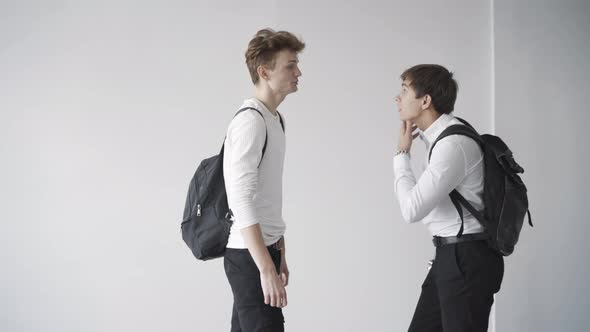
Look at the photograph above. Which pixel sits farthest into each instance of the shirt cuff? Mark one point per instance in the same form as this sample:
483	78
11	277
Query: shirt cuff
244	216
401	162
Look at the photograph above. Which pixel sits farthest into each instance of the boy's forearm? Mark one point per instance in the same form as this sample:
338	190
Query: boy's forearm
253	238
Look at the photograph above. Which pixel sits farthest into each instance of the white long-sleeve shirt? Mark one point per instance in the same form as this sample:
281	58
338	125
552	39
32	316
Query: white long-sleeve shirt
255	194
456	163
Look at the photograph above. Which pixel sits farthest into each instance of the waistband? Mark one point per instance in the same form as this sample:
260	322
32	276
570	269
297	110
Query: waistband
439	241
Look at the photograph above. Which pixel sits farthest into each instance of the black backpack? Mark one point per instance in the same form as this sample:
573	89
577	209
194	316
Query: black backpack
207	218
504	195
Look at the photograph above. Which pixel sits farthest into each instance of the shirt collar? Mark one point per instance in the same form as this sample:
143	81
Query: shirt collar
261	107
436	128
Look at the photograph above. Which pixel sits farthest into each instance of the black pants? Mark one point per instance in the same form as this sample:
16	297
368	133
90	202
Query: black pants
457	294
250	314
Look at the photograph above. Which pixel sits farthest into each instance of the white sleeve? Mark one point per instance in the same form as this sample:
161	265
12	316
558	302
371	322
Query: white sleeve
245	140
446	170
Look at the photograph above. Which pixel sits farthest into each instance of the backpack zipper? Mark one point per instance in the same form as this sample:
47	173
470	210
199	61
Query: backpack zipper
198	210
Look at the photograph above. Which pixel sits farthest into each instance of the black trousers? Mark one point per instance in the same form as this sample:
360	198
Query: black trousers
459	289
250	314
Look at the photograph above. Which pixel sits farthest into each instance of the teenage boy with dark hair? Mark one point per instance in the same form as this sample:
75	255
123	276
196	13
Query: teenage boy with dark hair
459	289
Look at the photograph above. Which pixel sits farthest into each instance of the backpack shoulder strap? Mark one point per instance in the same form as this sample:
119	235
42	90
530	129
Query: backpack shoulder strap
265	132
459	200
463	121
282	121
456	198
457	129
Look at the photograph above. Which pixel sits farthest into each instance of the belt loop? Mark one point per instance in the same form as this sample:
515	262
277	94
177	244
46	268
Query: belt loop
277	245
280	244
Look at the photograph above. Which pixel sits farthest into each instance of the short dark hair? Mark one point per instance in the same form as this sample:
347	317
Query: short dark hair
263	48
435	81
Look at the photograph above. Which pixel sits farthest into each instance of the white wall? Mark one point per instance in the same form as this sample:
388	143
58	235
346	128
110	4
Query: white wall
106	108
542	84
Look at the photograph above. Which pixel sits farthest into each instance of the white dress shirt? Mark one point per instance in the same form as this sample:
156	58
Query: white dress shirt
456	163
255	194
